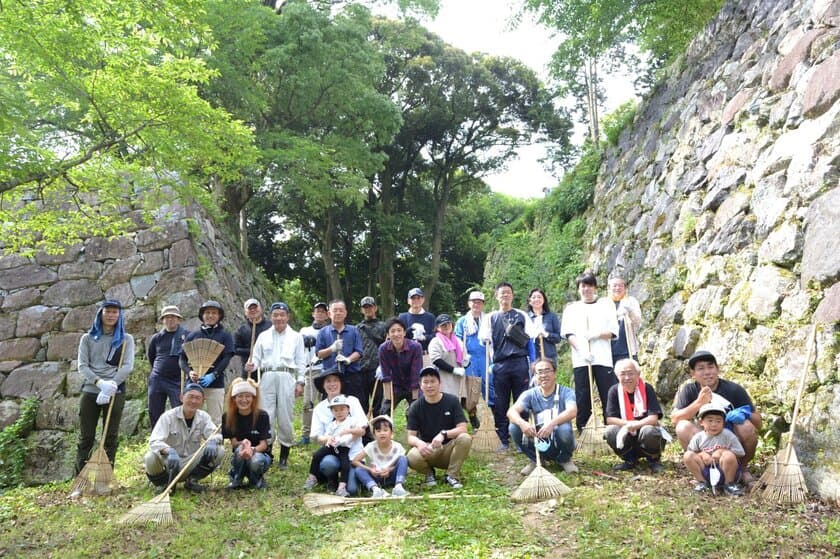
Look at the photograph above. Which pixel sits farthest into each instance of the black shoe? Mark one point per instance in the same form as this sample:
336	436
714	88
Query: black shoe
193	486
475	422
235	483
260	484
624	466
656	466
283	463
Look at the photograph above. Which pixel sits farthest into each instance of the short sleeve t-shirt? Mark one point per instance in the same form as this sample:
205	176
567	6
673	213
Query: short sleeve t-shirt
701	442
246	429
375	457
728	394
430	419
546	408
614	407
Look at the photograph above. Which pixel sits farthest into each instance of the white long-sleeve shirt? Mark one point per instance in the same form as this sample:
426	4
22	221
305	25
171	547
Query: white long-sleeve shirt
580	319
275	350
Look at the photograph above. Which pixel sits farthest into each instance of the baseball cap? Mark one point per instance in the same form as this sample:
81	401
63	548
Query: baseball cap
367	301
706	409
111	303
476	296
279	306
701	355
443	319
192	386
415	292
340	400
320	304
250	302
379	418
170	310
426	371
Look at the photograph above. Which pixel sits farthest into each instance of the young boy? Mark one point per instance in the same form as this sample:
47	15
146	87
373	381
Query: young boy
382	461
714	446
339	437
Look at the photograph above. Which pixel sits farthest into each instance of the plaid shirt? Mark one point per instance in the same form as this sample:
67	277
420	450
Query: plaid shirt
401	367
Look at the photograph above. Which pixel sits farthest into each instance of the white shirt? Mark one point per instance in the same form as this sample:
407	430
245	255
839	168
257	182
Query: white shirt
322	417
581	318
280	350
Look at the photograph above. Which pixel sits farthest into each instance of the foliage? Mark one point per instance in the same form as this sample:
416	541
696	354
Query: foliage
100	108
14	445
665	27
617	121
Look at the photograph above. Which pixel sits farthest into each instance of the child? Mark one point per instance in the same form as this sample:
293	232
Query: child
384	460
714	446
339	437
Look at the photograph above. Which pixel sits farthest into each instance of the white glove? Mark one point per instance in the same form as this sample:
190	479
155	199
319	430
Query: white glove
465	362
107	387
621	437
337	345
342	359
379	373
102	398
544	333
315	359
458	371
588	357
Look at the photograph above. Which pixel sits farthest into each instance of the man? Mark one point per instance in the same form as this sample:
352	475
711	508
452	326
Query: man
401	361
505	331
313	367
164	351
211	314
419	322
373	335
246	335
437	432
633	414
177	436
466	329
589	326
553	408
707	387
628	312
105	359
341	344
280	358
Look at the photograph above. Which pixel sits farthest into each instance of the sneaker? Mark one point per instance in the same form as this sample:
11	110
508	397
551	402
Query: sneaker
194	486
624	466
304	440
701	487
733	490
342	492
310	483
378	492
529	467
261	484
283	464
569	467
78	493
399	491
656	466
430	480
235	483
453	483
503	447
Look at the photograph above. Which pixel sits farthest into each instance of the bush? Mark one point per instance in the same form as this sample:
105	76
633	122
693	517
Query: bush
14	446
615	122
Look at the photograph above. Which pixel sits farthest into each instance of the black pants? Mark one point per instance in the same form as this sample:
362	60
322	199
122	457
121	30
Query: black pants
510	379
355	384
604	379
89	414
343	453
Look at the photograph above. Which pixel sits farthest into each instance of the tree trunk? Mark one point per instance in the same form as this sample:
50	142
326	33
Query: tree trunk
243	232
386	250
441	202
591	77
327	238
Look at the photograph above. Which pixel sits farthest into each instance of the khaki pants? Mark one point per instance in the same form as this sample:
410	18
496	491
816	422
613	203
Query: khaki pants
450	456
277	397
214	402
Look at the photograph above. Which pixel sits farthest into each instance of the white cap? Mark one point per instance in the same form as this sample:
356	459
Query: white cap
476	296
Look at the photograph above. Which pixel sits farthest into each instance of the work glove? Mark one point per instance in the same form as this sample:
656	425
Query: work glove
342	359
173	461
337	345
207	380
102	398
315	360
211	450
465	362
739	415
544	333
308	341
108	387
458	371
621	437
379	373
385	408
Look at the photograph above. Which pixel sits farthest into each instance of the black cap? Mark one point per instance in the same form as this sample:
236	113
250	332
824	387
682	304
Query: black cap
426	371
443	319
111	303
701	355
279	306
320	304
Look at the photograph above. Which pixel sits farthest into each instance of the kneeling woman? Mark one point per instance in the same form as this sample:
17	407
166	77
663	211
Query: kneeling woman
249	430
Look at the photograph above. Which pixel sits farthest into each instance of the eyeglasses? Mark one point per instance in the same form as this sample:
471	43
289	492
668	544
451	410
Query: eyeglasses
626	373
544	372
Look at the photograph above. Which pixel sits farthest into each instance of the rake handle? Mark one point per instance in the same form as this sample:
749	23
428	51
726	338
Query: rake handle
812	335
107	423
536	450
187	466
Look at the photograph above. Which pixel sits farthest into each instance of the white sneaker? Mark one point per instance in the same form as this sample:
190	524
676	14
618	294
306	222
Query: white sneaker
342	492
529	467
399	491
569	467
430	480
378	492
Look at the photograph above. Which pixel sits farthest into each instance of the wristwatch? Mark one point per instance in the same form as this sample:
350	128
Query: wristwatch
443	434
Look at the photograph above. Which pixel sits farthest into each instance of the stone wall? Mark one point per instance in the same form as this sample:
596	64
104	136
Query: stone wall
49	301
722	204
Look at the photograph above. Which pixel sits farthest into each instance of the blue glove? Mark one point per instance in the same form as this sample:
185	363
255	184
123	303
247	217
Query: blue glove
173	461
210	450
207	380
739	415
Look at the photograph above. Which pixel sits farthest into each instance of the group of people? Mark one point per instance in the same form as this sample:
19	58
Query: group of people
347	374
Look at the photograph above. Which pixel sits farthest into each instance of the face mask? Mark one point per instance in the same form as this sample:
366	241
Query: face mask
542	444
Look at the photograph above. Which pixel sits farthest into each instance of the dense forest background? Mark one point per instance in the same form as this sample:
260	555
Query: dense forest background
344	149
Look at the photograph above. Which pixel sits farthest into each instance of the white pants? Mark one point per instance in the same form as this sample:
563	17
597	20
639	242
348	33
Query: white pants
214	401
277	397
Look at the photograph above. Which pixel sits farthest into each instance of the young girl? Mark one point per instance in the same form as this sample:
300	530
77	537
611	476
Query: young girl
383	460
341	432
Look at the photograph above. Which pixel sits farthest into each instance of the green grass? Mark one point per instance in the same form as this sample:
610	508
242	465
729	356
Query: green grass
636	515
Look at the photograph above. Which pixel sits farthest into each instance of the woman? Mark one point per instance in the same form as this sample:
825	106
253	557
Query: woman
249	430
447	353
543	326
329	383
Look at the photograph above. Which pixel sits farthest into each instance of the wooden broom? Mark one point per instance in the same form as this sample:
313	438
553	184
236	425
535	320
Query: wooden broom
201	354
485	438
97	477
323	503
540	483
591	441
158	509
783	481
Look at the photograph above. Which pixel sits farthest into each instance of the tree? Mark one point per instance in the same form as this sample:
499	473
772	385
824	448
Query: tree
100	111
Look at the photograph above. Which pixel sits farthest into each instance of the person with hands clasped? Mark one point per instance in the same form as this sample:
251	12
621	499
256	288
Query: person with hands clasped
447	353
249	430
341	434
340	344
400	360
543	326
553	407
589	326
714	449
383	462
211	314
628	312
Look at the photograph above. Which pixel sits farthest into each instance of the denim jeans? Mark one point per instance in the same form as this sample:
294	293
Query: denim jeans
253	469
396	476
329	472
561	444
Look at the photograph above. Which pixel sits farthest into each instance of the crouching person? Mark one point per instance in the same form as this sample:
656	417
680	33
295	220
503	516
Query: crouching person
177	435
554	407
633	414
382	463
249	430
